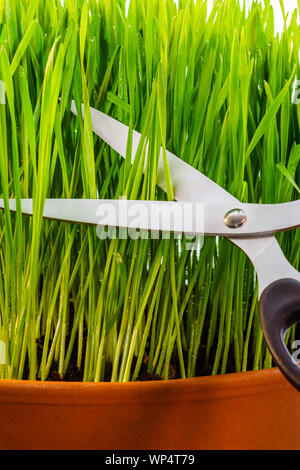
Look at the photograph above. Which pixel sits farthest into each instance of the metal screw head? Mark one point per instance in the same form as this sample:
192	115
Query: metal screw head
235	218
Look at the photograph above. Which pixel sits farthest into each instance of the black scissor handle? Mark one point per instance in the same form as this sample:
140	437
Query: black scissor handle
279	310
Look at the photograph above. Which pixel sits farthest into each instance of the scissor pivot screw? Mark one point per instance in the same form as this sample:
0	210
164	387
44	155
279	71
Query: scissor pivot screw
235	218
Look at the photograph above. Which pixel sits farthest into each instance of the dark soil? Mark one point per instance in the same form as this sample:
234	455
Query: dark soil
73	374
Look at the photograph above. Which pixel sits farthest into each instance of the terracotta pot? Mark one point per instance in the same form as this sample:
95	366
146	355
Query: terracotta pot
251	410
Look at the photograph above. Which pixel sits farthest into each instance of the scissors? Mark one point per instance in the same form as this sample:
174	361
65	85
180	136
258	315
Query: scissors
249	226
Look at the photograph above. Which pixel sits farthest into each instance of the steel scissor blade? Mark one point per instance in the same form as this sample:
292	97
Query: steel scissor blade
68	210
170	216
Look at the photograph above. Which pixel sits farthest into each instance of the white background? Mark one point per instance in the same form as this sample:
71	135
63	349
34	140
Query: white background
289	6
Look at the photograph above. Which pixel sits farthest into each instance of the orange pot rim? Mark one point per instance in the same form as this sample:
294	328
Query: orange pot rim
175	390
